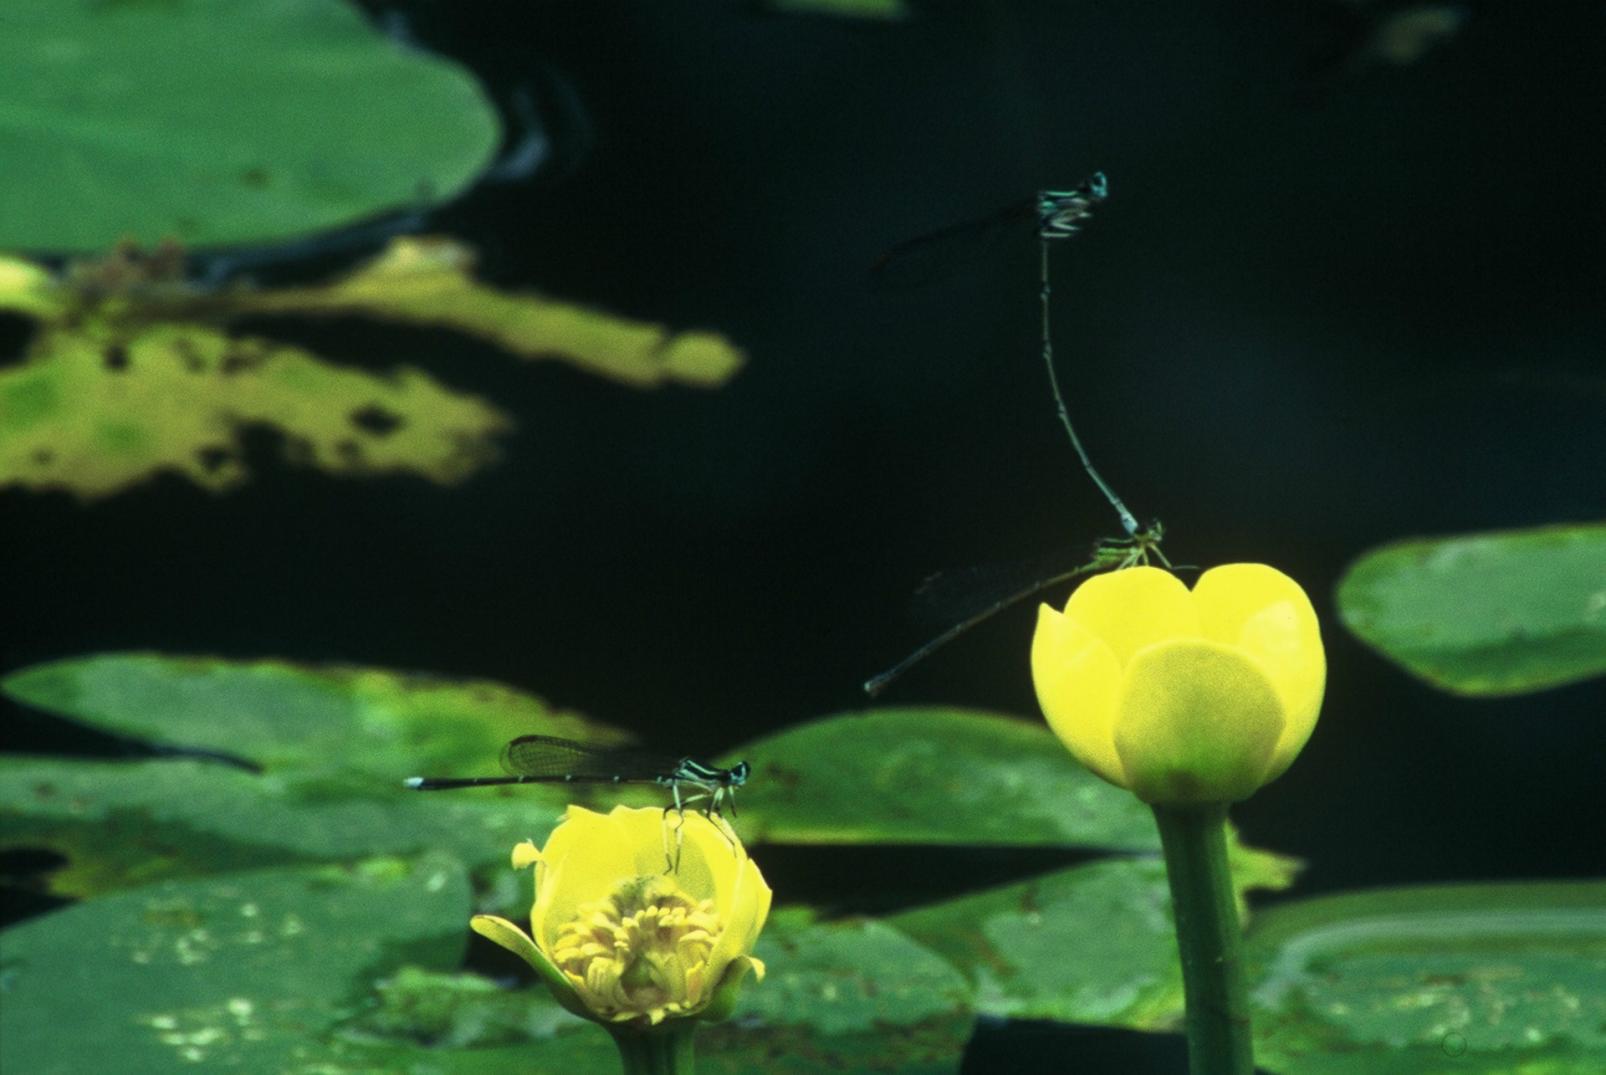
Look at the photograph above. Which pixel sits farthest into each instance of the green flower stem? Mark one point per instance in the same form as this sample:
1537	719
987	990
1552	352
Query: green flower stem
666	1049
1208	938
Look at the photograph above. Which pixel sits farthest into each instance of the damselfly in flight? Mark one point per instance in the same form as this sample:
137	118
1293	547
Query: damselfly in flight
547	759
1059	214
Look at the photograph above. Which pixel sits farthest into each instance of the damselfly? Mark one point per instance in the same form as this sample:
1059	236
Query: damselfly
1059	214
547	759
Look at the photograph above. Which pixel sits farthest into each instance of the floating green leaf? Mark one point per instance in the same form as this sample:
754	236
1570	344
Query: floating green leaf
248	972
1091	944
333	744
1474	979
221	122
125	823
853	995
932	776
1486	614
298	719
846	996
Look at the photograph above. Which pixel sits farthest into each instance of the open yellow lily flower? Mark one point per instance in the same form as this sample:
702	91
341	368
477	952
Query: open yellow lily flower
1179	696
621	940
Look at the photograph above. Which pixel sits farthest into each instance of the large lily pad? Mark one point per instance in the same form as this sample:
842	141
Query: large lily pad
1486	614
333	744
299	719
221	122
932	776
1474	979
124	823
1092	944
842	996
247	972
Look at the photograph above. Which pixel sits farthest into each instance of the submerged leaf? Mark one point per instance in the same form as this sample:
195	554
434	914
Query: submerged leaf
95	413
133	373
221	122
429	281
1486	614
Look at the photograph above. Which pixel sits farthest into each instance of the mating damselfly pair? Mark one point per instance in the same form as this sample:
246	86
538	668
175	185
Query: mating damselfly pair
1056	215
547	759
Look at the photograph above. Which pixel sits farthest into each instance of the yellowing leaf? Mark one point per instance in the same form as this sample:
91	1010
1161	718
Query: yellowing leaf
429	281
93	412
133	372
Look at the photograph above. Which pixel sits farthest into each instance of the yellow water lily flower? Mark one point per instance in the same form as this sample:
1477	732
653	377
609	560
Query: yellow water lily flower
1179	696
618	936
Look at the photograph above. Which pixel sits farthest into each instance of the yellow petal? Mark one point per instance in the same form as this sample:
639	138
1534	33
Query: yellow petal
1196	722
1133	608
1077	676
743	919
509	936
582	862
525	854
1267	614
708	859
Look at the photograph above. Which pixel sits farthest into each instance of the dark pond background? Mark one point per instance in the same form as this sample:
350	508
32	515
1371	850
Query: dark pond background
1332	301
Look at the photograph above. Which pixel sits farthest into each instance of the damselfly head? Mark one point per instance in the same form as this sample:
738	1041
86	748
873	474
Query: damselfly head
739	773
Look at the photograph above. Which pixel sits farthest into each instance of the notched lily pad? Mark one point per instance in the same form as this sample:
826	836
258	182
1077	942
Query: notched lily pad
1481	979
1486	614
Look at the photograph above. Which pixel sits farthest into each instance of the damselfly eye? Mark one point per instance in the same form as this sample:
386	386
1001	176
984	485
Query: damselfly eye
739	773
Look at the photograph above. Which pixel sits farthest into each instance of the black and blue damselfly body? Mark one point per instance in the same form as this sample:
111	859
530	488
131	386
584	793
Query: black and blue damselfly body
1058	215
547	759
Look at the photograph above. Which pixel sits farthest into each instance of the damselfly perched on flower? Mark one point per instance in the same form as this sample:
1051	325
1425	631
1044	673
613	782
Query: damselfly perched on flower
547	759
1058	214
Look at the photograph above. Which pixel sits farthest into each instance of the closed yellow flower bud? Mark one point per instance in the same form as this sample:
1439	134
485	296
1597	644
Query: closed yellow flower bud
1182	696
621	939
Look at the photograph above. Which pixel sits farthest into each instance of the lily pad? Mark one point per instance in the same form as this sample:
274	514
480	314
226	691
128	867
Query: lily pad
844	996
932	776
246	972
1486	614
222	122
1475	979
119	824
1092	944
301	720
333	745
